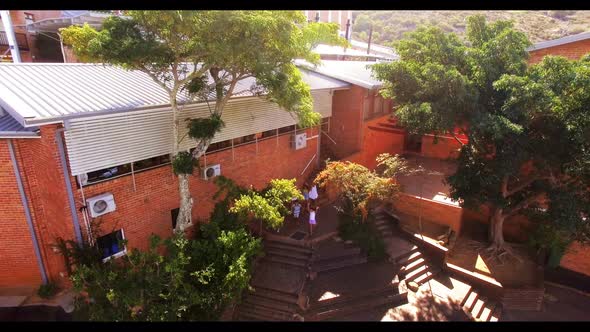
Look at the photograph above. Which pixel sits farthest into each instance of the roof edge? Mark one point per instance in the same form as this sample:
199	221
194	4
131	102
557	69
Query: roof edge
559	41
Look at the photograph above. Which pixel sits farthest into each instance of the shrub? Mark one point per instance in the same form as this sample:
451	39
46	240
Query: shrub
362	234
48	290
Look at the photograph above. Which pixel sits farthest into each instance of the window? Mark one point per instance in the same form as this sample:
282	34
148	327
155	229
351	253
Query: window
107	173
244	139
174	214
151	162
268	133
219	146
112	245
29	18
286	129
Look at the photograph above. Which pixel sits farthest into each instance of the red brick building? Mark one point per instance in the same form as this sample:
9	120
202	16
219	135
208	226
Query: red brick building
63	144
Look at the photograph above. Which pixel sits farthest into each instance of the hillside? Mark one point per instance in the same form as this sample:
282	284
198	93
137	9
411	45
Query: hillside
390	25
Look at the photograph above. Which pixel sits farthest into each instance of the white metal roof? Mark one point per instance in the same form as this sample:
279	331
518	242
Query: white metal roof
559	41
385	51
36	93
339	50
10	128
354	72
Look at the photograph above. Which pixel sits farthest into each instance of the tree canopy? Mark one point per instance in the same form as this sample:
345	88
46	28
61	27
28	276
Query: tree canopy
527	127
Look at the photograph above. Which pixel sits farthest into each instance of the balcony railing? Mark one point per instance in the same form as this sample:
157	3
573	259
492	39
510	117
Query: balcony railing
21	40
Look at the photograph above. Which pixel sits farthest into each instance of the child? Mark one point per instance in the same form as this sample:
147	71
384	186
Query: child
313	195
306	195
296	210
312	221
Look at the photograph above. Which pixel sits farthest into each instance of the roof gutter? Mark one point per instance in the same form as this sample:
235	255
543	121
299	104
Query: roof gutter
23	197
64	166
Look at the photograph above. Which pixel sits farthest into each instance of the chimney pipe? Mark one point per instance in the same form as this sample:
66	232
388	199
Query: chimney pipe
12	44
370	37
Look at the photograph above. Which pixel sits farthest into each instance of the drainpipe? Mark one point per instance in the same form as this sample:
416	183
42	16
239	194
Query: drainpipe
64	166
12	44
23	197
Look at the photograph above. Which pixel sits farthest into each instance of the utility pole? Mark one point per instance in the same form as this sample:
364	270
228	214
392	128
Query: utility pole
13	46
370	37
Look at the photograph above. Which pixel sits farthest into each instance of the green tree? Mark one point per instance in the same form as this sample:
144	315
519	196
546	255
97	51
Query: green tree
203	54
527	128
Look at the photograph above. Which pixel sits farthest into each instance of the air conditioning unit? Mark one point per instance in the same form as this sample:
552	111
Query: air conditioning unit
101	204
211	171
299	141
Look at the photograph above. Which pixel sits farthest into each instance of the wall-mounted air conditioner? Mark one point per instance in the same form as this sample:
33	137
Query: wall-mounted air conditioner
299	141
211	171
101	204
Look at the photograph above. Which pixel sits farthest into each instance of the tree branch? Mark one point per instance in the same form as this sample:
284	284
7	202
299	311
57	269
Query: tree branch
522	185
523	204
504	186
457	139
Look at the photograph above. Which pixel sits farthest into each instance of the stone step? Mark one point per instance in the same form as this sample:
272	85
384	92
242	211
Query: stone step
412	276
412	266
381	228
339	264
496	313
268	311
338	256
486	313
403	257
464	300
478	308
356	305
288	253
471	301
430	274
345	298
270	303
287	261
287	246
246	313
275	295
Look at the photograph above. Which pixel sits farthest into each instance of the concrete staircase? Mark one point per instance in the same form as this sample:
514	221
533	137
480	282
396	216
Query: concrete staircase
343	258
389	126
384	223
415	268
479	308
288	254
347	304
272	304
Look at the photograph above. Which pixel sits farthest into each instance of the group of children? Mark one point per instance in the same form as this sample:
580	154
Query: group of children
310	195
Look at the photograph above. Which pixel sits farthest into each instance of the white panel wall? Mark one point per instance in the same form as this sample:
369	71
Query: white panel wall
102	141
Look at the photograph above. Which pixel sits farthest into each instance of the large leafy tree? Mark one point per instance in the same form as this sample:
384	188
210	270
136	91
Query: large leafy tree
203	55
528	132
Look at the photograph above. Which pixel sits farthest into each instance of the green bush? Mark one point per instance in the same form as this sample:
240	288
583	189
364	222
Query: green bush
362	234
48	290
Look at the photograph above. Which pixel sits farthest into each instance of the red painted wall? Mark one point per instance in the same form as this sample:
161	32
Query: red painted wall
573	51
346	122
18	266
440	213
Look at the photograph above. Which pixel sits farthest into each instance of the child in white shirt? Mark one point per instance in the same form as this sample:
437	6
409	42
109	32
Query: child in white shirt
312	221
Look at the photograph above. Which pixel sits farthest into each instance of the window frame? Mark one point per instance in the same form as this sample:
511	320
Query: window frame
118	254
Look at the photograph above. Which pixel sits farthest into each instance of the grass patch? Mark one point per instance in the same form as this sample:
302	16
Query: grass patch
362	234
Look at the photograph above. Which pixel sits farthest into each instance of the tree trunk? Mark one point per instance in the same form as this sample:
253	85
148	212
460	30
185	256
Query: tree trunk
496	235
184	218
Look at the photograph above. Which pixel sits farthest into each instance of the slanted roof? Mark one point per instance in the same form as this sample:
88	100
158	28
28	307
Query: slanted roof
36	93
10	128
354	72
385	51
339	50
560	41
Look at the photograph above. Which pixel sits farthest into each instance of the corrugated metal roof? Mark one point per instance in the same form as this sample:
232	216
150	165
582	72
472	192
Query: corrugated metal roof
385	51
38	93
559	41
10	128
354	72
339	50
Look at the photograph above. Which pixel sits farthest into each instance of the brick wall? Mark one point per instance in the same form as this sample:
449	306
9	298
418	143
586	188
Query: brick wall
45	187
444	148
146	209
577	258
18	265
440	213
346	122
571	51
375	142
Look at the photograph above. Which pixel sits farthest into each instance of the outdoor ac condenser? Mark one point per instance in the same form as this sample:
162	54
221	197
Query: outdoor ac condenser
101	204
211	171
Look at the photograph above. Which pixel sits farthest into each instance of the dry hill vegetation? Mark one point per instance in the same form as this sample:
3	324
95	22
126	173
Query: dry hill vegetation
539	25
